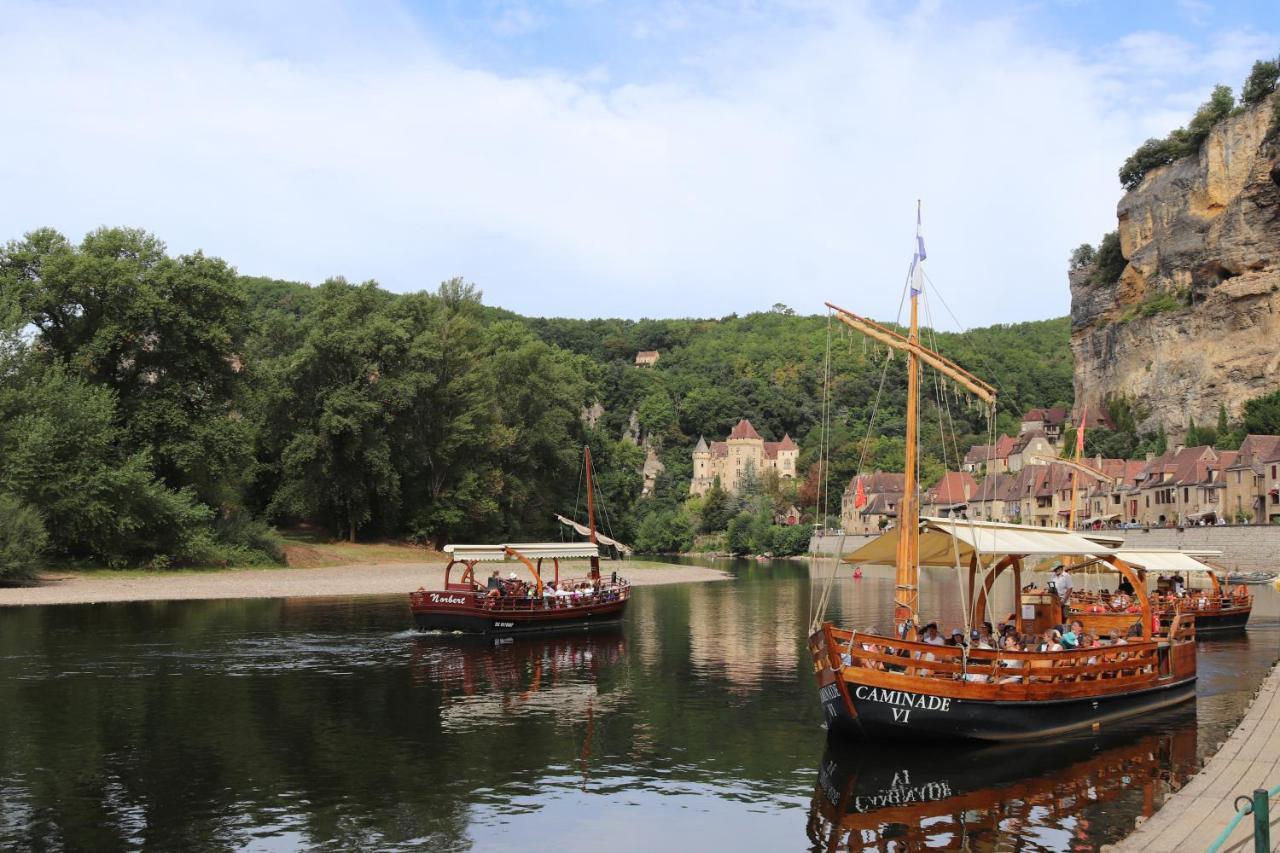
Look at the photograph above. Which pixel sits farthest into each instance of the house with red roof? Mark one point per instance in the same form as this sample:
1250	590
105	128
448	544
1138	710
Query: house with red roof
744	454
881	493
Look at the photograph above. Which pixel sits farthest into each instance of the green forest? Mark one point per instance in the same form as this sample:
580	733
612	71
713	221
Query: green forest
160	410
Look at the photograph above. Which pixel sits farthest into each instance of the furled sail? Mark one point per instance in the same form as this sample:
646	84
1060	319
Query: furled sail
600	537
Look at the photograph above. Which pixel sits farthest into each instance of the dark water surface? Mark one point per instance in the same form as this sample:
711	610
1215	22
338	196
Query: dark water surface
324	723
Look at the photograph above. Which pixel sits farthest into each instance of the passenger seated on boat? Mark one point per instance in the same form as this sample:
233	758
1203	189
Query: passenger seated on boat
495	581
1010	644
1071	637
1125	587
956	638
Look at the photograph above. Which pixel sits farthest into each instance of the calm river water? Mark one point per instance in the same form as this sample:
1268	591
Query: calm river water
324	723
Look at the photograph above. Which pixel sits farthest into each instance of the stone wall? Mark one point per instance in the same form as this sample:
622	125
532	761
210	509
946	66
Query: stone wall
1244	548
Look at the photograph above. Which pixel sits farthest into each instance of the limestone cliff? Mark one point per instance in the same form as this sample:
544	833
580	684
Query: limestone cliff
1194	321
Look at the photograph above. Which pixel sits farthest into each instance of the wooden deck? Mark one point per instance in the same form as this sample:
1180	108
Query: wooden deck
1193	818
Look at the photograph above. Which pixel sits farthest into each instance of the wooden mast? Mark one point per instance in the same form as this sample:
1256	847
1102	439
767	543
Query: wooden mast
591	517
907	590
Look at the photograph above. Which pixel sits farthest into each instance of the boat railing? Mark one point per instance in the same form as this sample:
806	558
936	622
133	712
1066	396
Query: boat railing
608	593
1192	600
1133	661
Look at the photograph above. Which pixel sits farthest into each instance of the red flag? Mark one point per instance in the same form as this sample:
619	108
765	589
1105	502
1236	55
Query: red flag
1080	432
859	496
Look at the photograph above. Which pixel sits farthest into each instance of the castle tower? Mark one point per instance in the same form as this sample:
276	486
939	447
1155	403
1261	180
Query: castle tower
702	475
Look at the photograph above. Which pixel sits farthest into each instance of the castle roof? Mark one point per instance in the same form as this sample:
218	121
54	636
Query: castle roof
1050	417
701	446
787	443
744	429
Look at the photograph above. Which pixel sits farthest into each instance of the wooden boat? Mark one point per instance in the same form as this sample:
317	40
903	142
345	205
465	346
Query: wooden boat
1251	578
895	686
1214	609
515	606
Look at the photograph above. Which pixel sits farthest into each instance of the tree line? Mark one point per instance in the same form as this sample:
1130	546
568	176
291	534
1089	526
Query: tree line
164	410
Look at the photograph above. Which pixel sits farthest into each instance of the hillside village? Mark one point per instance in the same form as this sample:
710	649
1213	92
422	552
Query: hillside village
1183	486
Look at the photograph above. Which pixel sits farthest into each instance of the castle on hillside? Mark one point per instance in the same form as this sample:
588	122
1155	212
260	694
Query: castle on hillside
744	452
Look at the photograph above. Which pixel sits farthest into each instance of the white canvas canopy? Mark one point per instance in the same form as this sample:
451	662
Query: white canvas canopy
941	538
530	550
600	537
1160	562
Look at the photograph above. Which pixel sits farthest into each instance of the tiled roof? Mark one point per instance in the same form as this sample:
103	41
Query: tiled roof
744	429
954	487
1048	416
787	443
881	482
719	449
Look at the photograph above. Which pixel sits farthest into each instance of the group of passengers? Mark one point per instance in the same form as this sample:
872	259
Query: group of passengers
1005	638
562	594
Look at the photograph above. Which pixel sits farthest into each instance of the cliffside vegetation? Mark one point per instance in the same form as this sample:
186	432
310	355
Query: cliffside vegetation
1184	141
163	410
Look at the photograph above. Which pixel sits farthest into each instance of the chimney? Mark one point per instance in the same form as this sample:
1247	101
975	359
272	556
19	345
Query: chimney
1178	448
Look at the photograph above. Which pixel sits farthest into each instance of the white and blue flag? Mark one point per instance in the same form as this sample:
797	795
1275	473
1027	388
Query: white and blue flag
917	271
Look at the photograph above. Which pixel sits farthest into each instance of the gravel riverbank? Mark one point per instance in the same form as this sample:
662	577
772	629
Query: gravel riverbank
354	579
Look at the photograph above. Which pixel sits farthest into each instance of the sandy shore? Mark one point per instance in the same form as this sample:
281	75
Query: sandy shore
356	579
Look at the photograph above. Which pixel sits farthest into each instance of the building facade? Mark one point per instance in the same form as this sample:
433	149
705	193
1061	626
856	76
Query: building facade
739	458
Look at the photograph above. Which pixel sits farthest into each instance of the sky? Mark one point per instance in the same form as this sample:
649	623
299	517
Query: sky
587	158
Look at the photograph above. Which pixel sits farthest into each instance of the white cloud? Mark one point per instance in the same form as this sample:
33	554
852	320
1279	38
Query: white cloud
789	172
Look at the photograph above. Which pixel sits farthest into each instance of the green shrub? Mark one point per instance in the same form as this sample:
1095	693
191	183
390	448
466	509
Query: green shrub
22	539
1180	142
1109	260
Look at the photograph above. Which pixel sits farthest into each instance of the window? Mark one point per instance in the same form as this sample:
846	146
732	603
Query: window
1186	495
1115	499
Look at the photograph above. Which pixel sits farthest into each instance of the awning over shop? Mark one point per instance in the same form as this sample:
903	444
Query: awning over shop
530	550
941	538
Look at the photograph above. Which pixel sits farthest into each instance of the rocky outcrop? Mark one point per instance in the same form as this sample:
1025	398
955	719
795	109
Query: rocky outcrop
1194	321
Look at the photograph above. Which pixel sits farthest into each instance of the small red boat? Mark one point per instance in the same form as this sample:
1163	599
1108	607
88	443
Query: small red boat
514	605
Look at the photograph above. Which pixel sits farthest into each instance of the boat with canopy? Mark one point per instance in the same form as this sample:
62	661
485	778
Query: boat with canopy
511	604
1201	594
898	686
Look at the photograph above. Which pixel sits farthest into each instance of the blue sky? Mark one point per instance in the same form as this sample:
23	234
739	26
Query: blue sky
588	158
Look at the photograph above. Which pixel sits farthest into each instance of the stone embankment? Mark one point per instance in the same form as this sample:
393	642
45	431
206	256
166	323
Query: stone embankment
1244	548
1195	816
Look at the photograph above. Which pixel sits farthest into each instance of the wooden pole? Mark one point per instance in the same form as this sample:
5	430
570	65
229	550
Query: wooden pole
591	518
908	581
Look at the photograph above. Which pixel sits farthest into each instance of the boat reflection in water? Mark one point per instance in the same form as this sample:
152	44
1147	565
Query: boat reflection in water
1057	796
485	681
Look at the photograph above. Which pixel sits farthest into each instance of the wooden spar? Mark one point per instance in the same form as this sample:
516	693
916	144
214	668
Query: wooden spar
591	517
911	345
907	592
1075	473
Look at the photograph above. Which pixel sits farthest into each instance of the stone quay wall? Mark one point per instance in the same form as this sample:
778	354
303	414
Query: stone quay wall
1246	548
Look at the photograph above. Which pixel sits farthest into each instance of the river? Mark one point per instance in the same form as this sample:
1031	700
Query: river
280	724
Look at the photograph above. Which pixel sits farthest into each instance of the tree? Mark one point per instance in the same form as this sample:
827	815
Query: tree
1193	435
1223	426
1261	81
1212	111
62	454
717	509
163	334
333	420
1262	414
1083	256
